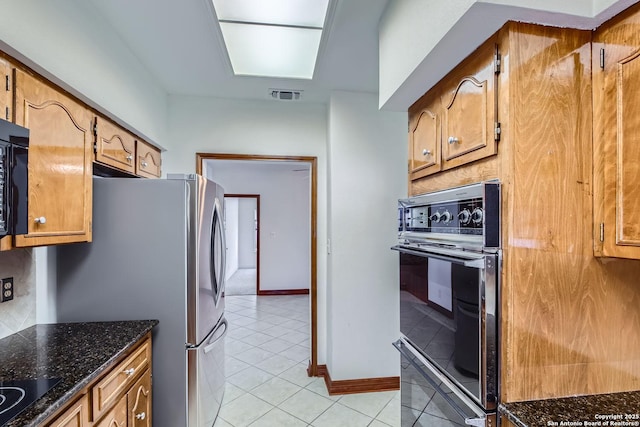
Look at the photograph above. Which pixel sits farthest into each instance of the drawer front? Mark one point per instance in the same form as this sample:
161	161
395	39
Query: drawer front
117	417
76	416
120	379
148	160
139	401
115	146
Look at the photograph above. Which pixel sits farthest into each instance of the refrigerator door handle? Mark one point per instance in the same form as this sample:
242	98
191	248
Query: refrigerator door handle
223	251
212	345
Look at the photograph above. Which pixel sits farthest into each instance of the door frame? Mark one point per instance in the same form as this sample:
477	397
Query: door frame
312	370
257	197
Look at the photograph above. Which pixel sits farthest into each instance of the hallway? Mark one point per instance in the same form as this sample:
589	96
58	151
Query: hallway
267	384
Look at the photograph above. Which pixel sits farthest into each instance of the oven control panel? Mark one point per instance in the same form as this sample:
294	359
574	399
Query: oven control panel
458	217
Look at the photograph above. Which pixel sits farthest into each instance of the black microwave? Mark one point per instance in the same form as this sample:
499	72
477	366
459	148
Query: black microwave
14	174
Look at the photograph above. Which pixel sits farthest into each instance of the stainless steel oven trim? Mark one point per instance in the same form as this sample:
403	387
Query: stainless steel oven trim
468	259
480	418
488	264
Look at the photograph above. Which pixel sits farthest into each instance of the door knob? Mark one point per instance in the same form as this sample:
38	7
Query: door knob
41	220
426	152
453	140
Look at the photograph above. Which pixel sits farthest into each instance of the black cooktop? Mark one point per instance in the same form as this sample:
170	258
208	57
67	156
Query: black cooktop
16	396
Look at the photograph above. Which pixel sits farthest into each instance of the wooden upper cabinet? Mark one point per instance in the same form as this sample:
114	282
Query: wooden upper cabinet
60	157
148	161
6	91
425	118
115	146
616	118
470	109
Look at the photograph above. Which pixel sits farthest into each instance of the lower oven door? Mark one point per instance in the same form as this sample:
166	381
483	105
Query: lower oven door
448	315
430	398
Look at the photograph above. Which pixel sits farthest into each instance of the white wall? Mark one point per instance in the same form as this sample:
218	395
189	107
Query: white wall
368	161
285	212
20	312
68	40
231	234
421	40
202	124
246	233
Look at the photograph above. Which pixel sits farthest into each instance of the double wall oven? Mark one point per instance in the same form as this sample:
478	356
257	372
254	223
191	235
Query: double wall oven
450	258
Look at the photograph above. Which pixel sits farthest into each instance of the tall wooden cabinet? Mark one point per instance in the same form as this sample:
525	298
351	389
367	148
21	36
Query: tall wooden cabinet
60	158
616	103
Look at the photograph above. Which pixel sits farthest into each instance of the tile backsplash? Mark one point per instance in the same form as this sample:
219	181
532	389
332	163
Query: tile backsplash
20	312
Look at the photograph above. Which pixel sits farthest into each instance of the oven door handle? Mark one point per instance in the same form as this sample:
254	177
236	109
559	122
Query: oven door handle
479	421
433	253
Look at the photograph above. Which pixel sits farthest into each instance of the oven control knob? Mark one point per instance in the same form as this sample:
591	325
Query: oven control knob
447	217
476	216
464	217
435	217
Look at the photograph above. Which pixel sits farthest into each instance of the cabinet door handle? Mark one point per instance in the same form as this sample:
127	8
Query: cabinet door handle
41	220
453	140
426	152
144	164
129	157
141	416
129	371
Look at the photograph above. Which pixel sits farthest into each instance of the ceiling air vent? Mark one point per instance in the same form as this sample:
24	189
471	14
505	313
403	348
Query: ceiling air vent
285	94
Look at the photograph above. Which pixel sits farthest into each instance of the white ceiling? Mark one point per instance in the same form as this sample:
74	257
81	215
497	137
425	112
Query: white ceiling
180	43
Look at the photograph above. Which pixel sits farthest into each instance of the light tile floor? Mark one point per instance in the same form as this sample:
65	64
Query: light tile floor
267	352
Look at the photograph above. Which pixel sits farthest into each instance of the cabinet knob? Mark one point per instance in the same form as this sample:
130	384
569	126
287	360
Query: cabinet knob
144	164
426	152
41	220
453	140
141	416
129	157
129	371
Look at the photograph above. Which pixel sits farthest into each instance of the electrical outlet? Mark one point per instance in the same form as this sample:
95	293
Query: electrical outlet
7	289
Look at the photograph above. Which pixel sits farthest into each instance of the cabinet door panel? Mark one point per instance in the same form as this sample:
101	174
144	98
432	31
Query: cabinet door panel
139	402
466	118
148	160
425	140
469	104
117	417
76	416
628	159
115	146
59	163
616	133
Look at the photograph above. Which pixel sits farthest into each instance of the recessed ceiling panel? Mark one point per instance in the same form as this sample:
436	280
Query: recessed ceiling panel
306	13
261	50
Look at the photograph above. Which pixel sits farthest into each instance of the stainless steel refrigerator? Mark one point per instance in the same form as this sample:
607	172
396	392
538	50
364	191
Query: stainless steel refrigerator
158	252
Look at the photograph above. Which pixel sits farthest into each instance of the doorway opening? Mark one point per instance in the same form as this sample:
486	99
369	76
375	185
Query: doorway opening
310	164
242	216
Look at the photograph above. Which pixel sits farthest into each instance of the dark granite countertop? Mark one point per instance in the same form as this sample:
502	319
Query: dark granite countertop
615	409
75	352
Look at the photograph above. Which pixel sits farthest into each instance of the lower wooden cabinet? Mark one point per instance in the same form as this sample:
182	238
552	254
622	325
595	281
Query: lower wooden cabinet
76	416
117	417
139	402
120	397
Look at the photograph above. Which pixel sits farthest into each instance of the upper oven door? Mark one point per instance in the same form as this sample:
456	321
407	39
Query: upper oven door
448	313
